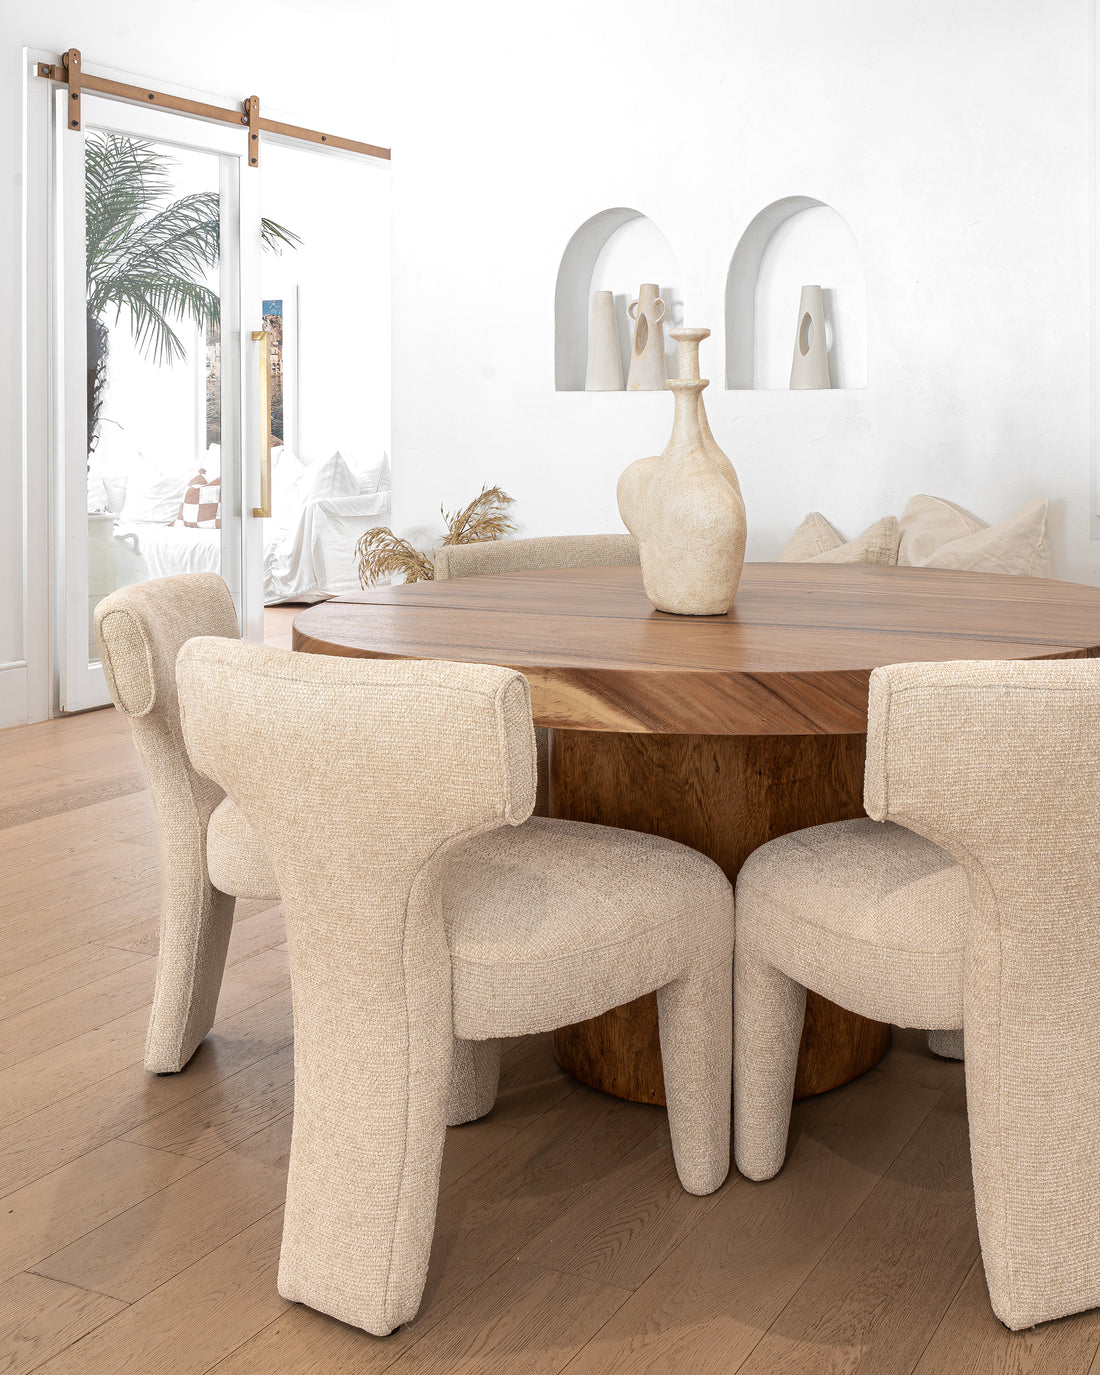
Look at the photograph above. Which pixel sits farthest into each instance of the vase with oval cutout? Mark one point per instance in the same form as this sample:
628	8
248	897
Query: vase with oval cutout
810	367
648	371
685	507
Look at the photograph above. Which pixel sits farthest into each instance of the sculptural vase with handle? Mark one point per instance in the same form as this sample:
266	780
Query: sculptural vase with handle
648	370
685	507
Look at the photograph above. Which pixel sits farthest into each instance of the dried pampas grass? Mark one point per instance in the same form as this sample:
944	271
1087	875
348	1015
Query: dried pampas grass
382	554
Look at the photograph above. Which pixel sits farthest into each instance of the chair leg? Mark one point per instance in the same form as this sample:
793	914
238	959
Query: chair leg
769	1009
369	1128
475	1074
696	1016
947	1044
195	925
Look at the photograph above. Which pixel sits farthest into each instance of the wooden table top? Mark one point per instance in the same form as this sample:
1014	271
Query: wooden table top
794	656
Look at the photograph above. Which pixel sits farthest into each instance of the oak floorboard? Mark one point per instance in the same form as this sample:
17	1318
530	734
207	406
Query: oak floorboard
39	1317
707	1305
84	1056
58	975
144	1247
79	1115
970	1340
74	1014
227	1113
899	1263
100	823
193	1320
64	1205
621	1233
528	1319
38	940
31	891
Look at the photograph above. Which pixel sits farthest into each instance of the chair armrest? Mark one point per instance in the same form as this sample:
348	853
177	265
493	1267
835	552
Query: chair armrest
996	761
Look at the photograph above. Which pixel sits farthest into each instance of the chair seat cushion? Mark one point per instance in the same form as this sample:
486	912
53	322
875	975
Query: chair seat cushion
867	913
234	857
554	921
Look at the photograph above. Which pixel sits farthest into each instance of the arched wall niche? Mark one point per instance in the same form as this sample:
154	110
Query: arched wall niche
791	243
615	250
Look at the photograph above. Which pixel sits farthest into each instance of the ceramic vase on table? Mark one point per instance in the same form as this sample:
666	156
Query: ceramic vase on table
810	367
605	362
685	508
648	371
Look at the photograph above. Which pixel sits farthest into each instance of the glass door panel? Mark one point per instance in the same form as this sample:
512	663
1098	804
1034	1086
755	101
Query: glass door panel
158	419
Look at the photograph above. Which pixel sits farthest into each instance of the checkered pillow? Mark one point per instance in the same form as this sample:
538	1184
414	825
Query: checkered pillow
200	508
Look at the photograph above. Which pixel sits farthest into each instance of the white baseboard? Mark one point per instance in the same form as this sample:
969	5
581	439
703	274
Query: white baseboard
13	694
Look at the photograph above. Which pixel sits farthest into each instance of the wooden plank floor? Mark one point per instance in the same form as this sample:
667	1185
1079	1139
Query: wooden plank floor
140	1217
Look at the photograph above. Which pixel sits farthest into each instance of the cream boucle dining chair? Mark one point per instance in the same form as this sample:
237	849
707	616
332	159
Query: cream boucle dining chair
459	918
985	773
210	856
528	555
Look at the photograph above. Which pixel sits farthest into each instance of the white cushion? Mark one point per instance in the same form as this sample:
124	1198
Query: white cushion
331	477
936	533
153	495
368	471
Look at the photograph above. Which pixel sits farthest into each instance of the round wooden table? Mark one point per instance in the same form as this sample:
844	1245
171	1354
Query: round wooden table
718	731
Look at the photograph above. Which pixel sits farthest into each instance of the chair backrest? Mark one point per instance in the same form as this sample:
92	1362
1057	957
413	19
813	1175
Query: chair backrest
356	774
139	630
999	763
525	555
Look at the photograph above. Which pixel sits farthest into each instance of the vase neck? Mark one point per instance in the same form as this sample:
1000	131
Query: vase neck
688	394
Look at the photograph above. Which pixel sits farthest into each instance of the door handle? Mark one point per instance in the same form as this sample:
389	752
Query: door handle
264	508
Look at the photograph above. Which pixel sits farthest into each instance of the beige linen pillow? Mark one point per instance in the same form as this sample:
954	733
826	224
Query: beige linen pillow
815	541
938	534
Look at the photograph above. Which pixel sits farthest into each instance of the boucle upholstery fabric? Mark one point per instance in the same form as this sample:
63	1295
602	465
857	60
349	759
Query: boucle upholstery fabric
208	857
885	924
425	757
234	857
526	555
139	630
816	541
938	534
996	763
534	947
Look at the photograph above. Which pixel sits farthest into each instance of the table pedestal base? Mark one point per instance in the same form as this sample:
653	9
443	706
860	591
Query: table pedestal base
724	795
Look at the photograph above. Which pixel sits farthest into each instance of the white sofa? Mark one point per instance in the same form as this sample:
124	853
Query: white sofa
320	511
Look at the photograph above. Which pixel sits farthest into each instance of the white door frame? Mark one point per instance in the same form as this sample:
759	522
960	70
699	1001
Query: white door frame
82	683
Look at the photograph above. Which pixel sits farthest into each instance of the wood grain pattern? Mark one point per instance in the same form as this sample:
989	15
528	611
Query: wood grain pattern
793	656
723	795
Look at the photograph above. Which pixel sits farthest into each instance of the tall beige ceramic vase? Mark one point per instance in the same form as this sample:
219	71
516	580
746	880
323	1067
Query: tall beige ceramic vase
605	362
810	367
648	371
685	508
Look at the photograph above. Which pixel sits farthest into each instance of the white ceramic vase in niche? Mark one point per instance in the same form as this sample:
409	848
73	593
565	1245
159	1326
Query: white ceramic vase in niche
685	507
648	371
605	362
810	368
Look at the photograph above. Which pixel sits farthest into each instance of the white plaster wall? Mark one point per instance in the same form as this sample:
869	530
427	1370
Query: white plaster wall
953	139
323	63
